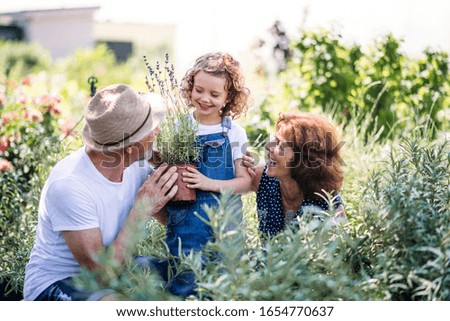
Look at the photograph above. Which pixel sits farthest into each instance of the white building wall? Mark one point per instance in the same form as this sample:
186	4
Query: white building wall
60	31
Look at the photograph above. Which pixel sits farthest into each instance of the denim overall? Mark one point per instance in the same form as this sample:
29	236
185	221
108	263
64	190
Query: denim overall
185	230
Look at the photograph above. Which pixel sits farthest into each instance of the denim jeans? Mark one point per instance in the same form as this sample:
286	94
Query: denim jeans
65	290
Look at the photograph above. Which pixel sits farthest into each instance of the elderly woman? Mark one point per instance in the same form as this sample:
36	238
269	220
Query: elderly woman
303	163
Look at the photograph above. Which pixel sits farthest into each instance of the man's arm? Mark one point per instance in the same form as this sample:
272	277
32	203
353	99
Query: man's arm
151	198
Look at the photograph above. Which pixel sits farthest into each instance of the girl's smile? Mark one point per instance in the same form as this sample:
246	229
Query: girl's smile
209	96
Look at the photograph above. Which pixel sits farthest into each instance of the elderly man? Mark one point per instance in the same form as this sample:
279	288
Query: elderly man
98	196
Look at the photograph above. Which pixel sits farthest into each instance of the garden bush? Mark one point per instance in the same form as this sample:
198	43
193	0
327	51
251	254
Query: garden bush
347	81
30	143
19	59
406	215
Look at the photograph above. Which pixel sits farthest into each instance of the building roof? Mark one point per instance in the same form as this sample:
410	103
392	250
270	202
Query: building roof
7	7
47	11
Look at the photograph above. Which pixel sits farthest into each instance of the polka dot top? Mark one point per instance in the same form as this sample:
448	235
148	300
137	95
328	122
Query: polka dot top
270	209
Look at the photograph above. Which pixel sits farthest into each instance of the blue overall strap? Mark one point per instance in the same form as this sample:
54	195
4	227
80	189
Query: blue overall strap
226	125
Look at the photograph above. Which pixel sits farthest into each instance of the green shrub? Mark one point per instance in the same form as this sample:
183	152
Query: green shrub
406	213
19	59
379	82
30	142
305	262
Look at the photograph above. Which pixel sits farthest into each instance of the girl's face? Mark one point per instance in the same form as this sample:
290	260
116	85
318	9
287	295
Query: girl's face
280	155
208	96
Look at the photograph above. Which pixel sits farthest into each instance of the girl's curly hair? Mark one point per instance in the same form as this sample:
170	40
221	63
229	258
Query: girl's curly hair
224	65
317	163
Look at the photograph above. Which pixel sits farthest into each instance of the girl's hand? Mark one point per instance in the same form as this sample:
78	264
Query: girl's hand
195	179
249	162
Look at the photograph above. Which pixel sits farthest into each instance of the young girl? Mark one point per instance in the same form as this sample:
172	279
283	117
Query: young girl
214	86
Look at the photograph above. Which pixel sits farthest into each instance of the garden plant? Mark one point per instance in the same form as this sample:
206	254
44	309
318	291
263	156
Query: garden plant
176	143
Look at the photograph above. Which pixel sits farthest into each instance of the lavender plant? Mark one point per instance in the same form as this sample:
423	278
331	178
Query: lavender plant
176	142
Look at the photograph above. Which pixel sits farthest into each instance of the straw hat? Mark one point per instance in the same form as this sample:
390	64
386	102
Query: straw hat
117	116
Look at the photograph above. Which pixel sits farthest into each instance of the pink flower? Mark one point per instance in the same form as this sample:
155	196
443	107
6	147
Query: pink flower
53	109
22	99
2	99
67	127
8	116
5	165
4	143
33	115
51	103
10	84
26	81
43	100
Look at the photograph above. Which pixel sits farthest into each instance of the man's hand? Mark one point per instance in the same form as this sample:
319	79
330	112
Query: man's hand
155	161
156	191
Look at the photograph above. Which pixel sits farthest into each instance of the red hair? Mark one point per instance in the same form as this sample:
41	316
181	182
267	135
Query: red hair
316	144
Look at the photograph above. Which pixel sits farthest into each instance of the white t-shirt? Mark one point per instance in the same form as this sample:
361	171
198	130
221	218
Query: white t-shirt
76	197
236	135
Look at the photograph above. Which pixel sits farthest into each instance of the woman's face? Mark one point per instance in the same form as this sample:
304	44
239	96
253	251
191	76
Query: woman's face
280	155
208	96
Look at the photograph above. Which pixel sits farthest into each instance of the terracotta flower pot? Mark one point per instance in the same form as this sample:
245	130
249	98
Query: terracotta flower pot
183	194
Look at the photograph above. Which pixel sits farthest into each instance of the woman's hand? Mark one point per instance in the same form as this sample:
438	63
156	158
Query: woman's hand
197	180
